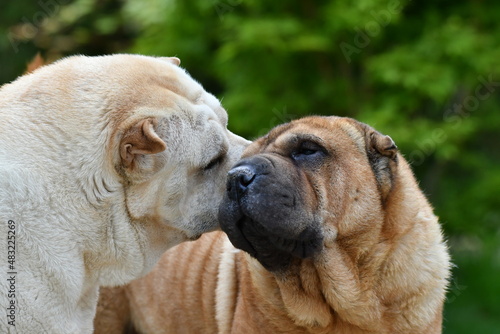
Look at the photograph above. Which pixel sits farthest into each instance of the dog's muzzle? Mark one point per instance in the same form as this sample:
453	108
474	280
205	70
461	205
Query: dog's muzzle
264	214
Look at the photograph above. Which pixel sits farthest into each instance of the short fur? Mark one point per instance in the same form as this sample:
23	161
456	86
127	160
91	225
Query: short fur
102	168
382	265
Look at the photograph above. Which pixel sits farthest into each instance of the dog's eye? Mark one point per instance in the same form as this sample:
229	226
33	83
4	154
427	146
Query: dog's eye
214	163
306	150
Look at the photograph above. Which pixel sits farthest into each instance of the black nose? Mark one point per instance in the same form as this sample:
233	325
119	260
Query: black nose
239	178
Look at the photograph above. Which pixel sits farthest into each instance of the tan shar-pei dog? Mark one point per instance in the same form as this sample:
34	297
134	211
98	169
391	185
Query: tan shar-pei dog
105	162
336	236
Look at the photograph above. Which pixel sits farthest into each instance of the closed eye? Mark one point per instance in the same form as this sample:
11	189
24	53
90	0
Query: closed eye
305	151
214	162
308	150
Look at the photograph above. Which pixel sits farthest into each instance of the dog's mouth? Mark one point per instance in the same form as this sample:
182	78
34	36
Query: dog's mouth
302	247
272	250
194	237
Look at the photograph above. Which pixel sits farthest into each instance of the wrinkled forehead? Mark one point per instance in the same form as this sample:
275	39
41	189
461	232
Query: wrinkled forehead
215	108
329	131
153	77
181	83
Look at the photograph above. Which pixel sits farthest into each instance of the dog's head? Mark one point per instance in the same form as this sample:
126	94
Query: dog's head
172	149
147	131
311	181
134	141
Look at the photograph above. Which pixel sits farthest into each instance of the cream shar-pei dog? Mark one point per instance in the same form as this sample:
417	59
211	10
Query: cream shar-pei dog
105	162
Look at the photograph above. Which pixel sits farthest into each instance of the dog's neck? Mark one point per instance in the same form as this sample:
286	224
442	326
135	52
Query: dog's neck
314	298
117	257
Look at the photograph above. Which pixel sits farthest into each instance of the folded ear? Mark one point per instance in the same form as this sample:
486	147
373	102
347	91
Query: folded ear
384	145
174	60
140	138
35	63
383	157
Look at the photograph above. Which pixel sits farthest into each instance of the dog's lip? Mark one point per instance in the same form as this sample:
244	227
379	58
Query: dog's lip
194	237
280	241
241	221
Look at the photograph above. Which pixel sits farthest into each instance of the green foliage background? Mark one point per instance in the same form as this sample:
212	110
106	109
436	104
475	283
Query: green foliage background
425	72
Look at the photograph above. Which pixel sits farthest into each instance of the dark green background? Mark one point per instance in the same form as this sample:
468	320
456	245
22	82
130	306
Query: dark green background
425	72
